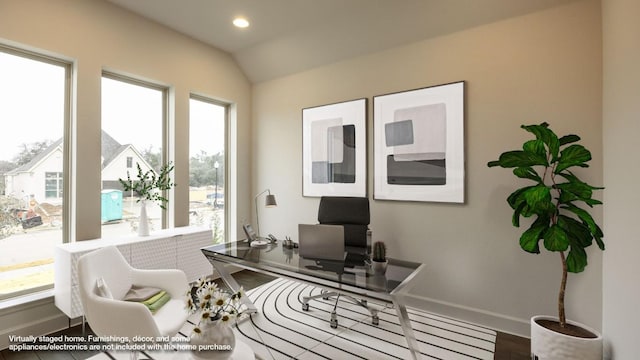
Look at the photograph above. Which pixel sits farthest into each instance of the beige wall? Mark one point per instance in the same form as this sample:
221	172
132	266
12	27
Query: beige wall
96	35
621	110
541	67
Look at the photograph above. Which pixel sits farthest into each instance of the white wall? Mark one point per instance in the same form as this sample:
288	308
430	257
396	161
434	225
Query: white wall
544	66
117	168
97	35
621	123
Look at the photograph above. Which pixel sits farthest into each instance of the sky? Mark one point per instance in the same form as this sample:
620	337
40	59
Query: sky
32	93
31	103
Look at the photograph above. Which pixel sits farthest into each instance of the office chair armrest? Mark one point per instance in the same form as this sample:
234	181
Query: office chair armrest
172	280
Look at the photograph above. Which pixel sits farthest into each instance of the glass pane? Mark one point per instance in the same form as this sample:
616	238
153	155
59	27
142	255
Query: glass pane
132	119
31	140
207	166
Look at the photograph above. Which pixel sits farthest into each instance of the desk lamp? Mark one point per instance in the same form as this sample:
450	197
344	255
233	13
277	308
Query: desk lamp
269	201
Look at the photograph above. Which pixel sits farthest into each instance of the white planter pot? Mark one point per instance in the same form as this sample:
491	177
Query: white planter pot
550	345
379	267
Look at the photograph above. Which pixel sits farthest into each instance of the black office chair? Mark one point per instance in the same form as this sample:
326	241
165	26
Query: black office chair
353	214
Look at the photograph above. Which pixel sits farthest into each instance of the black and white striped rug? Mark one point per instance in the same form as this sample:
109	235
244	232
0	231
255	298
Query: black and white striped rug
281	330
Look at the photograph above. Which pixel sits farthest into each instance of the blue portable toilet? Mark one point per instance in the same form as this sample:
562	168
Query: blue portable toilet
111	205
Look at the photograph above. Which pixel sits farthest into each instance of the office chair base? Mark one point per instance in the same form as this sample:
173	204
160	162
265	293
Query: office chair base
334	320
375	320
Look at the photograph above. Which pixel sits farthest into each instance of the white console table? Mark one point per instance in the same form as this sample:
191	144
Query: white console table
176	248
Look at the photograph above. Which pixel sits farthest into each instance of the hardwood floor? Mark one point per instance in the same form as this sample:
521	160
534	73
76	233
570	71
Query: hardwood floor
508	347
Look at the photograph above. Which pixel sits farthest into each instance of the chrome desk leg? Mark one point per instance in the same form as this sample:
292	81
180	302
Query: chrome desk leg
233	285
403	316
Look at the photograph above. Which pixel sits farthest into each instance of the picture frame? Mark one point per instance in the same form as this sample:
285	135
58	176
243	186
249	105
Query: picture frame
419	144
334	143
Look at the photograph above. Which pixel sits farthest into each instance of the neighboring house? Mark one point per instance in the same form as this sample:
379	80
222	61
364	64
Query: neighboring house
42	176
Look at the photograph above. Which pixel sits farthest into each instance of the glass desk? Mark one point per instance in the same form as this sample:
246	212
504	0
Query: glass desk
351	277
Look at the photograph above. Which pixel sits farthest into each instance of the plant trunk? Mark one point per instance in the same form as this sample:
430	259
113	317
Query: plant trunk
563	285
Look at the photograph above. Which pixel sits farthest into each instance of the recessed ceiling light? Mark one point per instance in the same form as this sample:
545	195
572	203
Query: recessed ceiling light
241	22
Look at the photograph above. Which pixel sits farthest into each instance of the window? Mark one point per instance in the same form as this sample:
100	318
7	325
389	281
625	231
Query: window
35	94
207	148
53	185
133	122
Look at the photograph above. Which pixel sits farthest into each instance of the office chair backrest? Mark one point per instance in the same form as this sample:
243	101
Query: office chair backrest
351	212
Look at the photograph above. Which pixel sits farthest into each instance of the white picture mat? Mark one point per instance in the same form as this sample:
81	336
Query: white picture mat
352	113
320	149
384	108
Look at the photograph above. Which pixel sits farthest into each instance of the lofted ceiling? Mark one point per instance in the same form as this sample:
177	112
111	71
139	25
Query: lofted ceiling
289	36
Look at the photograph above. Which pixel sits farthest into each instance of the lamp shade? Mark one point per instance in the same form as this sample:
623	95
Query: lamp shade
270	201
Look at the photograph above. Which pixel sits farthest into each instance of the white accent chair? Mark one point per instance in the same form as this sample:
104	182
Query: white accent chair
115	317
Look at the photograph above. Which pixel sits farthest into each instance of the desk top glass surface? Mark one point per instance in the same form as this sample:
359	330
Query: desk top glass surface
354	271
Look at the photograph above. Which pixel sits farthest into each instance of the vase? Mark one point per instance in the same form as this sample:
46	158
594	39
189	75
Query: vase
548	345
216	341
143	222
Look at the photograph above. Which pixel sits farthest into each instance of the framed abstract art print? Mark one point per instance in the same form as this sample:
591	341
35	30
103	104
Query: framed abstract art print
419	144
334	159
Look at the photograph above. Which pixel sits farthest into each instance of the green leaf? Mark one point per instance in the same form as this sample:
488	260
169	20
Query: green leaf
516	197
573	155
568	139
527	173
518	158
581	190
578	232
515	219
592	202
529	239
547	136
538	198
537	130
535	147
556	239
585	217
598	236
576	260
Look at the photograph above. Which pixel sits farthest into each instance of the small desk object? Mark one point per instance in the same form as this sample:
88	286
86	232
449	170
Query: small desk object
356	281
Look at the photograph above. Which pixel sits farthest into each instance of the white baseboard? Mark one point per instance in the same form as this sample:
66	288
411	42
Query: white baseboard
38	317
499	322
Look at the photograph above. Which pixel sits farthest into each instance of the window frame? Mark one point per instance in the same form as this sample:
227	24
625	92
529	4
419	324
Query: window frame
228	166
165	152
69	67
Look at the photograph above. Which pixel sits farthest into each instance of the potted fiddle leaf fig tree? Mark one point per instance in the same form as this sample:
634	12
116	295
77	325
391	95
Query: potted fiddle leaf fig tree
558	202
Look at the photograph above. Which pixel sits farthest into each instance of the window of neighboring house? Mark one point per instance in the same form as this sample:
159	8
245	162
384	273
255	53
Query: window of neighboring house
53	185
35	92
133	122
207	165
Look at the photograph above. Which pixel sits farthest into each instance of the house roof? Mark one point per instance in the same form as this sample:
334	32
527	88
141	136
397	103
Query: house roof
36	159
110	150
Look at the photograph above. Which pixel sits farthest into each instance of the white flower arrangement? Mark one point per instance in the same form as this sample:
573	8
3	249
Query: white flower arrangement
213	303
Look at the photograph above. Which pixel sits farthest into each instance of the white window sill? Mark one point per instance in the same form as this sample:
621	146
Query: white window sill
26	300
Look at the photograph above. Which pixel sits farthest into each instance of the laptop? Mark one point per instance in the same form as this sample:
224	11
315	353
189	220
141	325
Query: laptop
325	242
